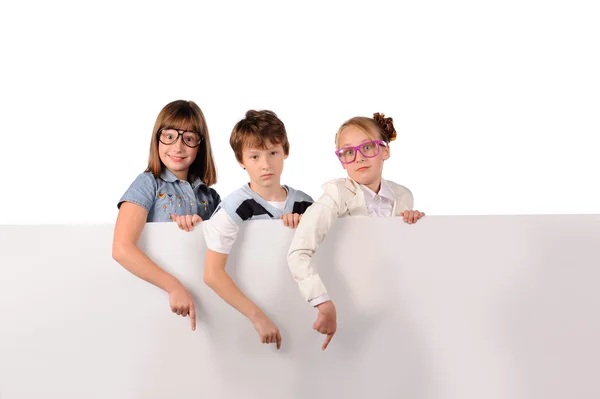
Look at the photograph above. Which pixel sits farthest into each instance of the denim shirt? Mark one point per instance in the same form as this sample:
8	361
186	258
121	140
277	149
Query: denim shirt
168	195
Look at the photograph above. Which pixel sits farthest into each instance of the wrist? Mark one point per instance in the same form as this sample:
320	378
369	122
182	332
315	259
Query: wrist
171	284
326	306
255	314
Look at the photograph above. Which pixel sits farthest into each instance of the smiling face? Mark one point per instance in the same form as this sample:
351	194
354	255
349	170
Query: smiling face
177	158
363	170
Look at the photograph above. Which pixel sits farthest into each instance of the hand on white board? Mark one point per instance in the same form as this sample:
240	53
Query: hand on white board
411	217
186	222
291	219
267	330
326	321
182	303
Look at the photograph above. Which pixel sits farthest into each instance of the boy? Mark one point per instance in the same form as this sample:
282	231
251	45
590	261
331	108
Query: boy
260	144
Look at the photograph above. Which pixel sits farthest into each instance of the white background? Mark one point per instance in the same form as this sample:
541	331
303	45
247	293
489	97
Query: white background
496	103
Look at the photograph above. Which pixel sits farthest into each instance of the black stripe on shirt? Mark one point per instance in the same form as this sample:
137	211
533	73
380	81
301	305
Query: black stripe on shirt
301	207
250	208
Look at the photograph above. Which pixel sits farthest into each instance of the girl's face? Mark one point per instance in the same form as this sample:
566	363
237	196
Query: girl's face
363	170
177	157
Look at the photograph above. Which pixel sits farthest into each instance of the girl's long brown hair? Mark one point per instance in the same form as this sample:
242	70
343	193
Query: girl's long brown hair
184	115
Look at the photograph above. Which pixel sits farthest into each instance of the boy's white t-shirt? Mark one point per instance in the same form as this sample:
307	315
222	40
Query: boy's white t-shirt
220	231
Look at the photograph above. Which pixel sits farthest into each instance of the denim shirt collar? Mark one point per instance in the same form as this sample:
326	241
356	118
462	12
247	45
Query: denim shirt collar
168	176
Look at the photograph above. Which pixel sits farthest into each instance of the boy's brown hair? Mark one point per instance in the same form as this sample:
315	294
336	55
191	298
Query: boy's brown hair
255	130
184	115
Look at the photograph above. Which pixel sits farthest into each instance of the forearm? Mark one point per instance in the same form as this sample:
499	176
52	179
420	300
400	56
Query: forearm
219	281
311	231
138	263
309	282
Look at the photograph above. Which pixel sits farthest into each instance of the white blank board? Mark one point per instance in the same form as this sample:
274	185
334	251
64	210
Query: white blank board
461	307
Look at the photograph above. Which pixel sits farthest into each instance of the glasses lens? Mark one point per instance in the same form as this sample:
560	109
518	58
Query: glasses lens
168	136
346	155
192	139
370	149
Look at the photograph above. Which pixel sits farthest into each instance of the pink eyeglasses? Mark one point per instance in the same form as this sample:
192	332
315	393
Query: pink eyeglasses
368	149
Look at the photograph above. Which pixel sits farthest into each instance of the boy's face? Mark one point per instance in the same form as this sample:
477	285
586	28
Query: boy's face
363	170
264	166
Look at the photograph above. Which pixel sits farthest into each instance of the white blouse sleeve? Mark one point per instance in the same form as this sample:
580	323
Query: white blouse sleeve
311	231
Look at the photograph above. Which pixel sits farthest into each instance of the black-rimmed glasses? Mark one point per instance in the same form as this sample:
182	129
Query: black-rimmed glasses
168	136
